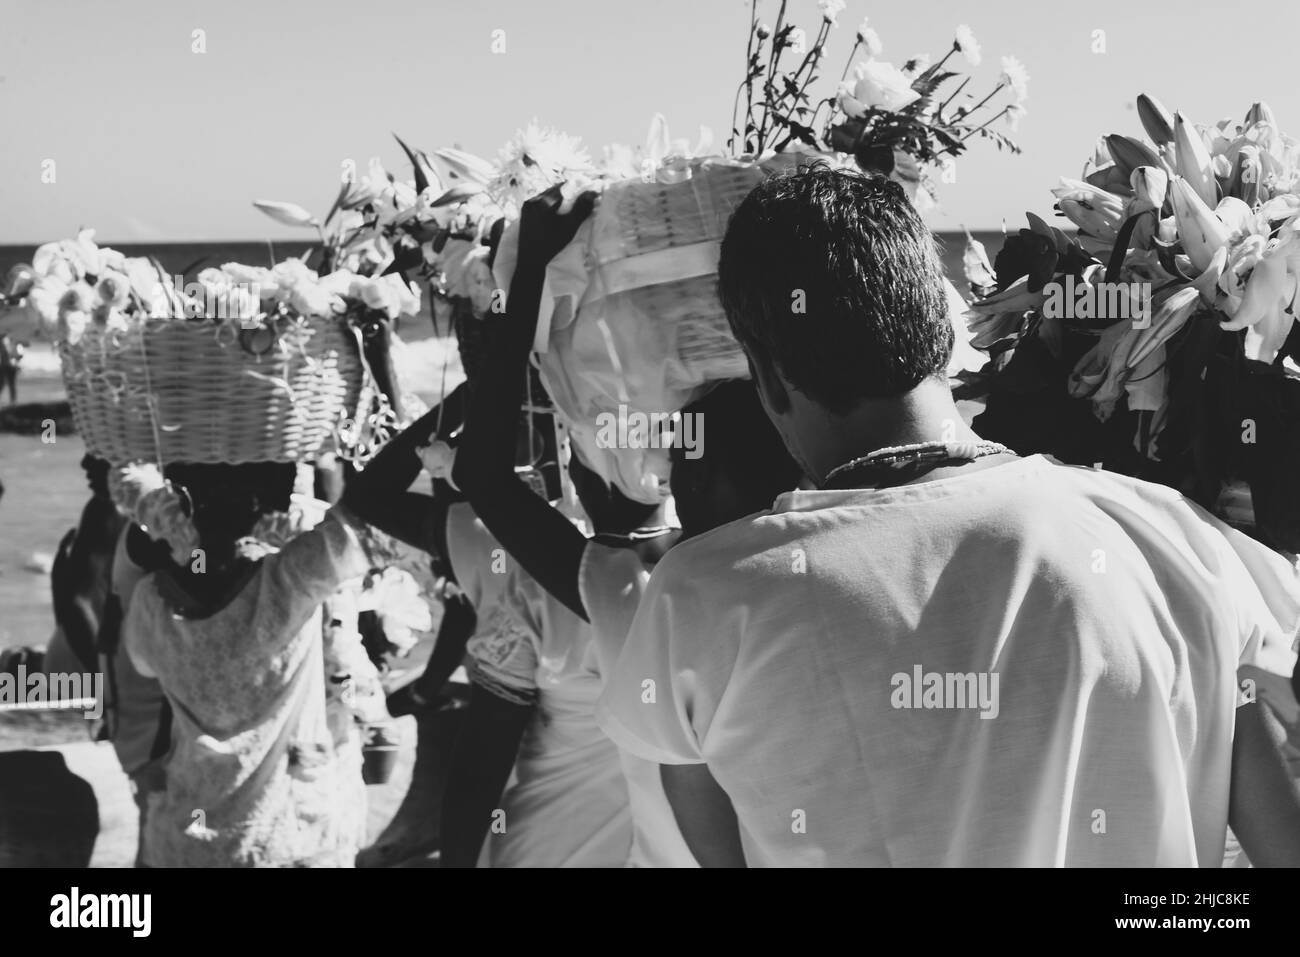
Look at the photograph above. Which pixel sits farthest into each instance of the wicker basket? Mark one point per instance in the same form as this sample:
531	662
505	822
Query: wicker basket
655	216
654	249
649	334
179	391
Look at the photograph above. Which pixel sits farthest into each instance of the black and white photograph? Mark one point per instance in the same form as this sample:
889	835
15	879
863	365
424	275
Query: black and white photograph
573	434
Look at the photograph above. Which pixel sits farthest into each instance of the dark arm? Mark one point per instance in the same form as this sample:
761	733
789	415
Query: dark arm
1264	805
480	767
539	538
704	814
458	621
378	495
71	610
80	578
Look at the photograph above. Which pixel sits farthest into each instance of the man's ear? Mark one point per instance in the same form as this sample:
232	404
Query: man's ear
771	387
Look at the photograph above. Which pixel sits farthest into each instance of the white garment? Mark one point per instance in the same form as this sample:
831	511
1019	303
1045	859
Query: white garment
568	804
1114	614
611	582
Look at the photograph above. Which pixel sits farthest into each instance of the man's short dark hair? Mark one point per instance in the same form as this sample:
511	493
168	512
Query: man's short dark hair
830	277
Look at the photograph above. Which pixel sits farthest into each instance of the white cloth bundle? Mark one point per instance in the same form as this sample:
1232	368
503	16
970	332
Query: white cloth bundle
630	323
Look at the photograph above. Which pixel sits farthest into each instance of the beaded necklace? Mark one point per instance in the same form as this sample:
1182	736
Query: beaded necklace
889	461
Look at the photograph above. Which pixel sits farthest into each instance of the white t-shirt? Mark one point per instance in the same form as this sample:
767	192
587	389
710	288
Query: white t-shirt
568	803
1103	618
611	582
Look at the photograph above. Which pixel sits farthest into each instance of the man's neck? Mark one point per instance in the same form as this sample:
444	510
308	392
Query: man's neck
926	414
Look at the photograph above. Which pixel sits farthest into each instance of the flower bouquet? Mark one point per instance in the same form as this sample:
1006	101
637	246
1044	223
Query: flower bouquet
366	237
630	320
438	228
1170	314
241	364
630	323
903	122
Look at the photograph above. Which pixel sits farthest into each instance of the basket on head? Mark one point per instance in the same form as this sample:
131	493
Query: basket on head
632	323
168	390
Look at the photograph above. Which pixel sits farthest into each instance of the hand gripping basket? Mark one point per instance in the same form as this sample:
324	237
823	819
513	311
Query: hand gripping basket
171	390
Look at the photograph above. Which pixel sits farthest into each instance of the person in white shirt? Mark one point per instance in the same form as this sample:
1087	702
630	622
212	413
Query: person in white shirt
944	655
531	781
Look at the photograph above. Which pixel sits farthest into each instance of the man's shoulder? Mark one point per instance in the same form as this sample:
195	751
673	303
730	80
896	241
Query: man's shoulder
742	542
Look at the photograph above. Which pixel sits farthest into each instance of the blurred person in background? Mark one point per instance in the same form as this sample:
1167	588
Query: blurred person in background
11	357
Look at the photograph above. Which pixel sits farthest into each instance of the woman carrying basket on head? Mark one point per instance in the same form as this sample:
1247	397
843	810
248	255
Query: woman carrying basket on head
530	756
233	633
740	470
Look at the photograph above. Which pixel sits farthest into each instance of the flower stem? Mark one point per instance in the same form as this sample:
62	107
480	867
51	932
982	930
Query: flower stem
994	93
810	61
773	58
944	104
938	66
982	126
748	85
826	128
849	62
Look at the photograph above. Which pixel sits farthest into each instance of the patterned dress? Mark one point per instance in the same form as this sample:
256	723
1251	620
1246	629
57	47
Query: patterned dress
254	778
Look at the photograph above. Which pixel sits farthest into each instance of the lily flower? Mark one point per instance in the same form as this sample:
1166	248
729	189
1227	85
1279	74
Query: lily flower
1200	230
1093	210
455	165
1147	384
1015	298
1156	120
1169	318
1207	283
1260	112
1247	176
1130	154
1192	160
1267	301
998	316
1237	218
1150	184
1100	374
975	263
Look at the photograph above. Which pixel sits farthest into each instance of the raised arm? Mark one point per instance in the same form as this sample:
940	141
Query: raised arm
378	495
539	538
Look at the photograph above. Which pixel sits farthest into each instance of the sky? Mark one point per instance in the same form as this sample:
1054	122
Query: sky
153	141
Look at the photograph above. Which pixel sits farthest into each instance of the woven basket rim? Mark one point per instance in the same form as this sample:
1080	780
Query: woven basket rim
301	395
